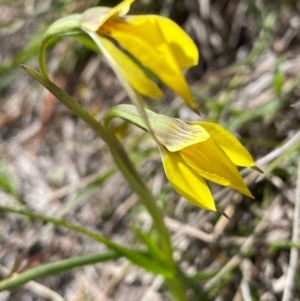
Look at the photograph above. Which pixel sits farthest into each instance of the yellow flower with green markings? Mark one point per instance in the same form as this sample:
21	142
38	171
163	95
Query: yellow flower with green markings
156	42
214	159
193	152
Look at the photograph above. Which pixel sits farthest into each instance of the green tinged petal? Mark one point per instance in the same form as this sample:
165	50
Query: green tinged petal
173	133
212	163
186	181
93	18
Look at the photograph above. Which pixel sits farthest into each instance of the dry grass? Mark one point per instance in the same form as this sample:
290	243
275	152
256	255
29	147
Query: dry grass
248	80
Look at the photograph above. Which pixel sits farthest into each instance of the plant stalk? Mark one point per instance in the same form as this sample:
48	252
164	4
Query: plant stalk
55	268
127	168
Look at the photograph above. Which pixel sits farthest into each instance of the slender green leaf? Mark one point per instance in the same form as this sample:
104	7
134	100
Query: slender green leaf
55	268
135	256
150	243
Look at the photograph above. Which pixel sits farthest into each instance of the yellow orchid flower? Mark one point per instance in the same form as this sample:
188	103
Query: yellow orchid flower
213	159
154	41
193	152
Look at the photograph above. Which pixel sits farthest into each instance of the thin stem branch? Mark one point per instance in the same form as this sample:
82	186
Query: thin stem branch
135	256
67	26
55	268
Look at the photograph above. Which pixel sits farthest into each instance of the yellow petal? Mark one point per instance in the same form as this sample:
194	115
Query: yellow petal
129	70
186	181
184	49
122	8
211	162
142	37
230	145
94	17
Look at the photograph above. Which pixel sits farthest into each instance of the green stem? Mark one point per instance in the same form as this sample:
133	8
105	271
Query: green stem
55	268
42	57
129	172
127	168
137	257
67	26
122	160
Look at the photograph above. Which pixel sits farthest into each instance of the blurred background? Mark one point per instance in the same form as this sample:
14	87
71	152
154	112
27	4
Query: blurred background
52	163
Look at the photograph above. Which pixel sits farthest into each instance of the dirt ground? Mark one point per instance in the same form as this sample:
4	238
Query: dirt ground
52	163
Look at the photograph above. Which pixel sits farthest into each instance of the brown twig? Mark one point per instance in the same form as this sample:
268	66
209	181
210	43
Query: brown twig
289	284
